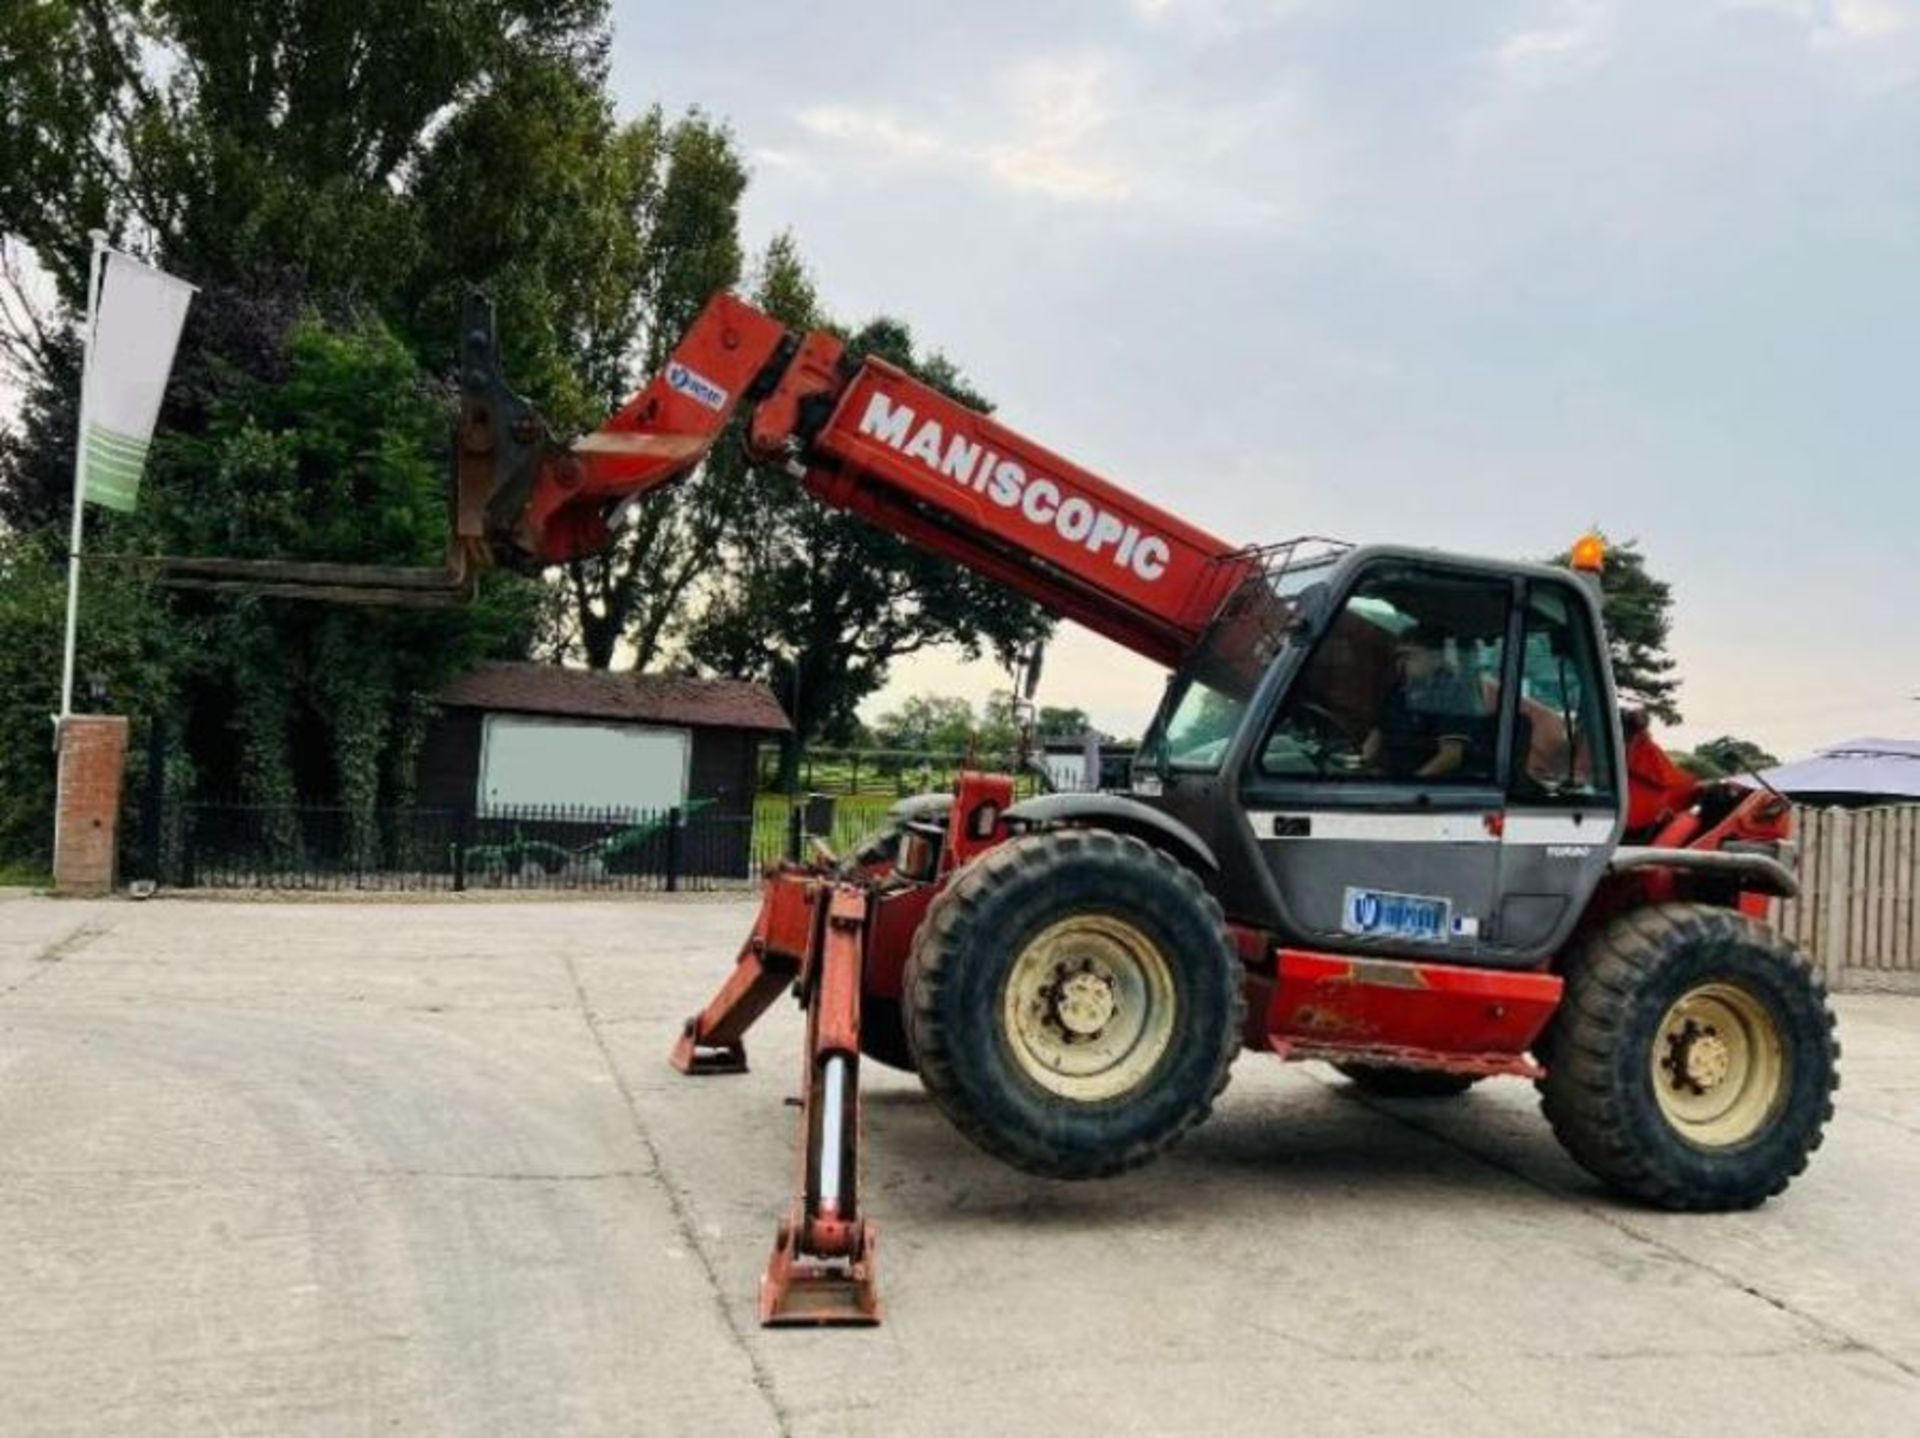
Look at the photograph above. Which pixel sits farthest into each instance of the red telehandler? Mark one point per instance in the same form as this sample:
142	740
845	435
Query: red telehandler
1388	815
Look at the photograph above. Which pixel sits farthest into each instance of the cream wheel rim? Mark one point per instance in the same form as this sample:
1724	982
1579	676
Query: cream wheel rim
1719	1065
1088	1007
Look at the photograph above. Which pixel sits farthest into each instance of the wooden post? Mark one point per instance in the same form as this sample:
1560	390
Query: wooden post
1835	894
1906	824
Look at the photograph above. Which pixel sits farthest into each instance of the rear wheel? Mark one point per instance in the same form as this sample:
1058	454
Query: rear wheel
1073	1002
1387	1081
1692	1058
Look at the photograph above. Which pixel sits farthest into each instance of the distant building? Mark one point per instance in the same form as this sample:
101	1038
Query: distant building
1853	775
1067	762
517	734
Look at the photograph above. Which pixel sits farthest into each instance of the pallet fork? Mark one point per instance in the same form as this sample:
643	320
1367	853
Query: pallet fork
811	934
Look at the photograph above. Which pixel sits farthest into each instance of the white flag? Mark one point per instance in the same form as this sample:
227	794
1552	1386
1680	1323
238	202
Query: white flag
137	319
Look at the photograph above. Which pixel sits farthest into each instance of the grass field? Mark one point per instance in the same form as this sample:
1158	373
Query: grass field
886	774
872	808
854	817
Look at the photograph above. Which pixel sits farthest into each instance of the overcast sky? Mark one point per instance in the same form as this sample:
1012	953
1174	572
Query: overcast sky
1473	275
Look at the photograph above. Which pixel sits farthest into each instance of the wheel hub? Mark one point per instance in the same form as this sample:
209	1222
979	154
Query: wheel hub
1083	1003
1698	1058
1719	1065
1088	1007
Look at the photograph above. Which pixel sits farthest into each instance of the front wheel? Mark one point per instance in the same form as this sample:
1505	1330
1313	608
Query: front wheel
1692	1059
1074	1001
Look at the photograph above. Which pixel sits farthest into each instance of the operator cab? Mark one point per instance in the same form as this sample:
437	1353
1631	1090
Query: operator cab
1400	752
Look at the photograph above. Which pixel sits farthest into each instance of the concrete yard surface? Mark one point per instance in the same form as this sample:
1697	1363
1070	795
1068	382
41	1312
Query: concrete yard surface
423	1168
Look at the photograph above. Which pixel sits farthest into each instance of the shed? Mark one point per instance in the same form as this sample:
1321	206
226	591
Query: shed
510	735
1853	775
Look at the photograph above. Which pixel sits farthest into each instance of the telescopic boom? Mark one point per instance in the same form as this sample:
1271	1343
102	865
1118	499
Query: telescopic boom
862	435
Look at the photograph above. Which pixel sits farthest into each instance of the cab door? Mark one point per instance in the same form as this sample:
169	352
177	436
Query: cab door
1564	812
1376	793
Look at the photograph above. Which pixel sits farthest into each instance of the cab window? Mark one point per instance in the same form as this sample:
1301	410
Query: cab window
1403	687
1203	723
1561	734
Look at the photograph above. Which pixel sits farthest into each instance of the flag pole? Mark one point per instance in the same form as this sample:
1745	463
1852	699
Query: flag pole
79	478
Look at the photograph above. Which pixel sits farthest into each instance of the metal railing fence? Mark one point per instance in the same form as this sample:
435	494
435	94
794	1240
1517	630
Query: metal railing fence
230	845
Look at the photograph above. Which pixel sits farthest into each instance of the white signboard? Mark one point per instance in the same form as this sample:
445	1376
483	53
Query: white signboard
532	761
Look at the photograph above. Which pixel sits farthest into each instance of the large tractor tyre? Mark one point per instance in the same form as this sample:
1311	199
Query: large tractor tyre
1692	1059
1074	1002
1388	1081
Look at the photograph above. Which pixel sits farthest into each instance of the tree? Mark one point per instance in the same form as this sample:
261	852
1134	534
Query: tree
1055	722
598	243
942	723
948	724
999	729
129	652
360	150
332	176
282	151
339	173
333	454
1725	757
36	454
65	67
536	193
633	592
326	445
1638	611
236	137
825	595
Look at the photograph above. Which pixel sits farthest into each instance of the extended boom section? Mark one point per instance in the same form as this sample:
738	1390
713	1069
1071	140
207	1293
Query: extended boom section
863	436
544	504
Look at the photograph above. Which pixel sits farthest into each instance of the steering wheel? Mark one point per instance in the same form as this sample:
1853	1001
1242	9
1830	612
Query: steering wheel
1333	736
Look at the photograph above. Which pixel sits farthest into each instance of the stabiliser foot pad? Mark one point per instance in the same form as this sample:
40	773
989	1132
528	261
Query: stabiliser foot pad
803	1291
691	1056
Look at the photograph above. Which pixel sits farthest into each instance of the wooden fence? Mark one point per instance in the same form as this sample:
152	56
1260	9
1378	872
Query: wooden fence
1858	912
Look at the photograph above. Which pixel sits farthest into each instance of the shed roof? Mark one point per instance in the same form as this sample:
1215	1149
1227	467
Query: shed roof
1878	768
529	688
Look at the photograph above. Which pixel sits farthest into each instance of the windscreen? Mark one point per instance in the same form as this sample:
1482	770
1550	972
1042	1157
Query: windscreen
1207	699
1199	727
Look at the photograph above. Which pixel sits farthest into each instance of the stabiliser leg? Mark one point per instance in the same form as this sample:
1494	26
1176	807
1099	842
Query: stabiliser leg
821	1271
713	1041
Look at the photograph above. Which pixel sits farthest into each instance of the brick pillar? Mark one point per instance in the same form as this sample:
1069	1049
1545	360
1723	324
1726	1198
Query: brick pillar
93	760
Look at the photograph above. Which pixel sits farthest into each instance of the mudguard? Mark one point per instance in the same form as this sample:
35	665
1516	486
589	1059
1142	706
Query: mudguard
923	807
1122	814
